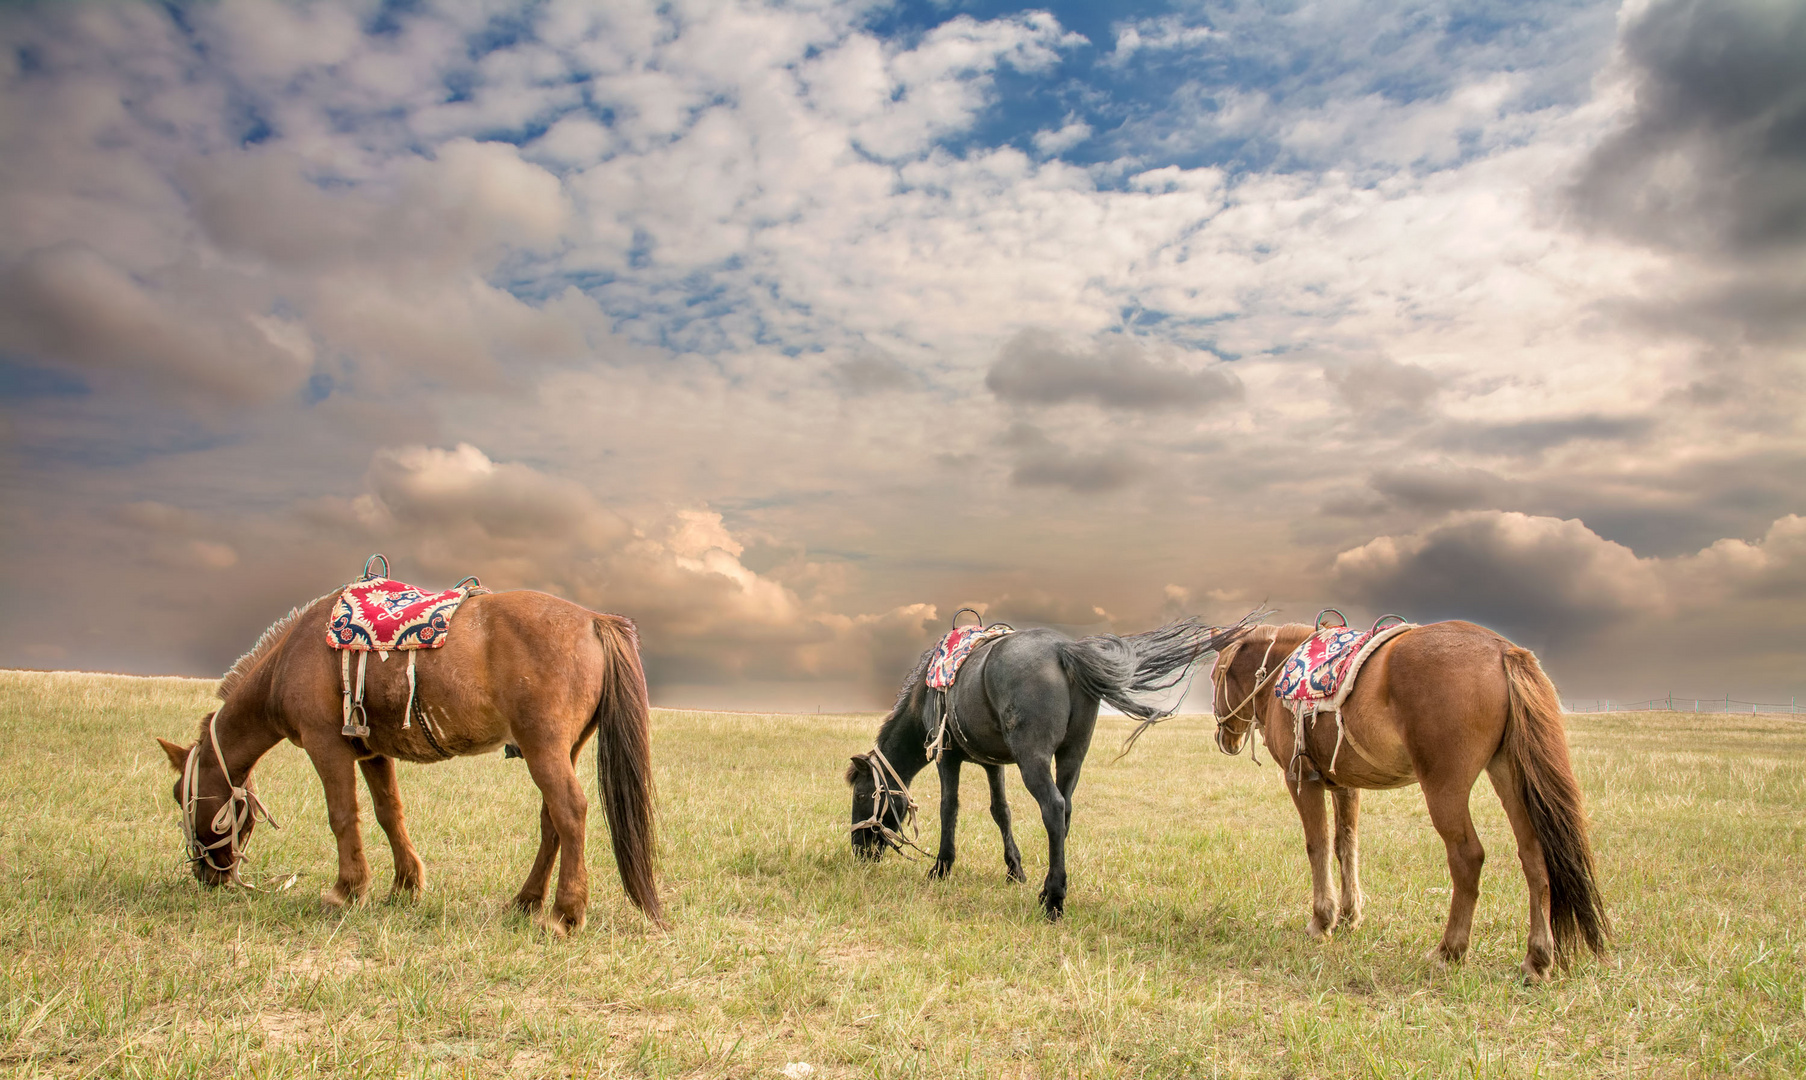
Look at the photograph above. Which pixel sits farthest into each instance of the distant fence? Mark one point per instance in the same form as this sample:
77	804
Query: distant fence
1726	704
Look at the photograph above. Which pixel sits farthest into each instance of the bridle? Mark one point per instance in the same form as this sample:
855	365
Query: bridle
1220	683
241	808
882	777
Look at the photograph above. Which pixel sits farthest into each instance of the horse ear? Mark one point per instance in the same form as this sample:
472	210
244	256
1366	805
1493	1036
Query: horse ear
178	755
853	769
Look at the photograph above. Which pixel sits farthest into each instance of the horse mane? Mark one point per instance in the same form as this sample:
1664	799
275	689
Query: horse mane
241	669
909	684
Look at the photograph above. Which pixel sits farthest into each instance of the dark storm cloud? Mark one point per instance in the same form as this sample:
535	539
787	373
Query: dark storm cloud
1041	462
1382	385
1528	438
1540	580
1714	155
1037	368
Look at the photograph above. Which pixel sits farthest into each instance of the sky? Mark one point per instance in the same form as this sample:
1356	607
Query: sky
787	329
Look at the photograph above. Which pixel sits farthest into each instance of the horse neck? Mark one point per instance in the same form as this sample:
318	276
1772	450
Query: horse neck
902	740
245	734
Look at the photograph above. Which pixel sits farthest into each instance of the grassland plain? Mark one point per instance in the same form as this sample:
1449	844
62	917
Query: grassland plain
1183	952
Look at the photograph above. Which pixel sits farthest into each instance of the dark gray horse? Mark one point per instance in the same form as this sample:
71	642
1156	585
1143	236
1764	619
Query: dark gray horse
1029	699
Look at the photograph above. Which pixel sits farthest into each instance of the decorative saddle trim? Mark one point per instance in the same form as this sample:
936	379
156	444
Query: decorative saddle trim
378	614
1321	673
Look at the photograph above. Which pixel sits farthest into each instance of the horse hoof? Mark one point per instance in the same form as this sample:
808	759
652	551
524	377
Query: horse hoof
940	870
1015	874
1319	932
340	895
1442	957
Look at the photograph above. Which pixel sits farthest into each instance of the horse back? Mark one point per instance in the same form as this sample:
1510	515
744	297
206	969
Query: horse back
1435	690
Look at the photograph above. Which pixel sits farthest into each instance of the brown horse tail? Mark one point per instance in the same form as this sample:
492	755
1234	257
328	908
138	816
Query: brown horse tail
624	762
1537	740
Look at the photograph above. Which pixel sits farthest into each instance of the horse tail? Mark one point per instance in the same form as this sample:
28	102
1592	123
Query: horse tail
1128	671
624	761
1536	738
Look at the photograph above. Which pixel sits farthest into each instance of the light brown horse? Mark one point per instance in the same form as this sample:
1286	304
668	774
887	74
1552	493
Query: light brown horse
1436	706
520	667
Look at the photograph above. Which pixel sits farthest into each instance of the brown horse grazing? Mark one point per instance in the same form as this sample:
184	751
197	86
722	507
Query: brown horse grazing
1434	705
519	667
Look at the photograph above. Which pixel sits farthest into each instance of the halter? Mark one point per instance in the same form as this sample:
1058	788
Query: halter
1220	683
240	809
882	774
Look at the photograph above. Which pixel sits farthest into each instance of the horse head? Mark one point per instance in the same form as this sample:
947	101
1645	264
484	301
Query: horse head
1242	669
218	817
881	805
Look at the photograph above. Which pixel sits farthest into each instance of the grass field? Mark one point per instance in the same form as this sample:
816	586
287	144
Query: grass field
1183	952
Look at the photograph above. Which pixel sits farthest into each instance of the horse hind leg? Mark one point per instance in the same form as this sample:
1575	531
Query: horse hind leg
532	895
1348	854
385	798
1000	813
1508	783
1449	813
568	809
1037	776
1307	796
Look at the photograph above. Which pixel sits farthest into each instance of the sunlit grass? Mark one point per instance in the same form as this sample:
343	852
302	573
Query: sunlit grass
1183	952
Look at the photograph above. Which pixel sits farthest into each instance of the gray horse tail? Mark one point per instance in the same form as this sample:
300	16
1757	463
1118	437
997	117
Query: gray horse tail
1135	673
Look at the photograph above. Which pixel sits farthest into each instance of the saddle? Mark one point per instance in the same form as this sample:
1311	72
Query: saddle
376	614
943	669
1320	674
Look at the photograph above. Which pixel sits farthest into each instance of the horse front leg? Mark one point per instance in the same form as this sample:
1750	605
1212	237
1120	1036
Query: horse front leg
1348	853
1037	776
1307	796
385	797
568	809
1000	813
949	773
333	761
1449	813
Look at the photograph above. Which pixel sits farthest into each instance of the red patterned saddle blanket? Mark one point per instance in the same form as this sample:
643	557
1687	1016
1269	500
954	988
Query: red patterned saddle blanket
1319	674
378	614
944	666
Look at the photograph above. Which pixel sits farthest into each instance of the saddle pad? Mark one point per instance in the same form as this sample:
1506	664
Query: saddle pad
1323	669
379	615
955	647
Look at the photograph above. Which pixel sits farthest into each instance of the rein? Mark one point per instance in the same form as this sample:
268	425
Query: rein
1220	684
882	774
240	809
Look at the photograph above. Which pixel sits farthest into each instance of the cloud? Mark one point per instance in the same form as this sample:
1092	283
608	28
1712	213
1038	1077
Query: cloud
1532	437
1041	462
1713	154
1037	368
1541	579
1380	385
1557	586
1438	490
1063	138
871	372
69	303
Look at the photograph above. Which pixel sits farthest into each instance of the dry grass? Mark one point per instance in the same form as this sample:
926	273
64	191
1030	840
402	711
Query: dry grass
1183	952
